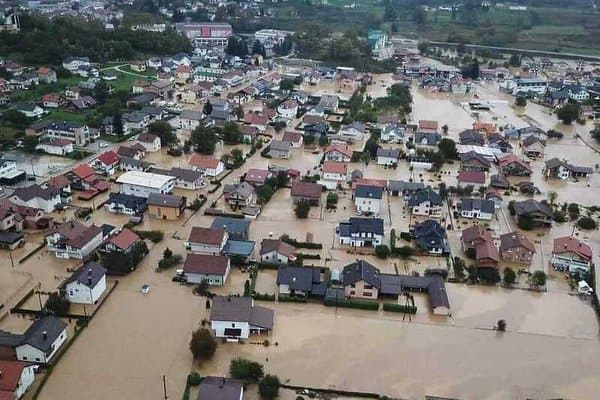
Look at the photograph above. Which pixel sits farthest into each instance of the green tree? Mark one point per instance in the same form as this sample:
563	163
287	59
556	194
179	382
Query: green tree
203	345
207	109
287	84
167	253
459	267
423	47
29	143
268	387
538	278
568	113
587	223
238	157
447	148
231	133
246	370
573	210
382	251
204	140
57	304
118	124
302	209
164	131
101	92
510	276
521	101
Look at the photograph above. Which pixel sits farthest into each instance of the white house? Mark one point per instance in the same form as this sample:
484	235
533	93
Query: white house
36	196
336	152
208	165
30	110
42	340
87	284
141	184
276	252
361	232
189	120
206	240
237	318
212	269
426	202
74	63
387	156
15	379
355	130
57	147
335	171
149	141
477	208
367	199
288	109
570	254
74	240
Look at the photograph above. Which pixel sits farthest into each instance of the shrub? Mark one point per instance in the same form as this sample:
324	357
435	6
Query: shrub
382	251
241	368
501	325
268	387
194	379
301	245
488	275
57	305
510	276
559	216
263	296
573	210
203	345
302	209
538	278
586	223
404	252
153	236
511	207
358	304
399	308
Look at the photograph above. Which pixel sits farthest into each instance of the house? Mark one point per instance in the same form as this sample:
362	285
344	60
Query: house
124	241
295	138
393	132
471	137
487	128
237	318
86	285
306	191
472	161
339	153
335	171
42	340
476	179
516	248
329	103
367	199
150	141
57	147
206	240
317	130
74	240
280	149
487	255
533	147
539	213
276	251
355	130
257	177
209	268
477	208
208	165
36	196
184	178
473	236
9	173
495	197
106	163
428	126
288	109
126	204
403	188
426	202
497	141
571	255
499	181
11	240
300	281
51	100
427	140
511	165
165	206
557	168
46	75
15	378
361	232
237	229
131	164
30	110
387	156
218	388
238	195
131	152
142	184
431	237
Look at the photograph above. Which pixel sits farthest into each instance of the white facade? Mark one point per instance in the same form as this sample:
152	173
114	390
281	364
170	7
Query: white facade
68	251
80	293
274	257
569	262
219	328
37	202
152	146
25	381
477	214
334	176
335	155
362	240
206	248
427	209
211	279
27	352
55	150
141	184
383	160
367	204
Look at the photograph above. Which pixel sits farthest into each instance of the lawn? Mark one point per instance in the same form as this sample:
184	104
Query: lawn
63	115
42	89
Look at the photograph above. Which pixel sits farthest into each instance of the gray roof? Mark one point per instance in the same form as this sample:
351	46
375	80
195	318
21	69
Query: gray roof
88	274
191	115
486	206
402	186
360	270
298	278
242	248
242	190
430	138
471	136
218	388
425	195
531	206
186	175
361	225
235	226
364	191
43	332
30	192
241	309
135	163
280	145
160	199
393	153
8	339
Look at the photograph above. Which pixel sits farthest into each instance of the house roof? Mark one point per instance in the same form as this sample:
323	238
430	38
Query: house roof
470	136
486	206
108	158
269	245
361	225
10	377
203	161
241	309
569	244
366	191
146	138
280	145
165	200
339	148
515	239
530	206
430	234
392	153
427	124
487	250
292	137
401	186
472	155
531	140
82	171
360	270
510	159
298	278
124	239
255	175
43	332
424	195
306	190
330	167
213	236
33	191
218	388
499	181
231	225
206	264
242	190
146	179
88	274
471	177
475	232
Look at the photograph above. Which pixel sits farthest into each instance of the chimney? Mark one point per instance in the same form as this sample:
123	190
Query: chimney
45	335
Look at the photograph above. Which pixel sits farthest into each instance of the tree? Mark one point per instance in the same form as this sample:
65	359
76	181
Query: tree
459	267
382	251
118	124
538	278
204	140
164	131
30	143
521	101
258	48
552	197
573	210
167	253
207	109
101	92
488	275
423	47
236	46
510	276
286	84
268	387
302	209
443	191
511	207
238	157
587	223
203	345
445	129
515	60
57	305
231	133
568	113
246	370
447	148
501	325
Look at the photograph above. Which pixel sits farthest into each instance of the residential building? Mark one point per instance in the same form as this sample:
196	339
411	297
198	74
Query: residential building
237	229
126	204
524	86
184	178
511	165
329	103
403	188
387	156
335	171
307	191
236	318
57	147
473	236
295	138
209	268
367	199
208	165
539	213
361	232
280	149
355	130
28	109
238	195
430	237
106	163
189	120
206	240
300	281
426	140
426	202
487	255
288	109
257	177
42	340
471	137
276	251
571	255
9	173
218	388
74	240
533	147
472	161
86	285
165	206
476	179
36	196
338	153
516	248
73	131
142	184
16	378
393	132
477	208
561	169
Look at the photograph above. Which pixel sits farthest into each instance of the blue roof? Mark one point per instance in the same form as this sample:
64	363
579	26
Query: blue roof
239	248
374	192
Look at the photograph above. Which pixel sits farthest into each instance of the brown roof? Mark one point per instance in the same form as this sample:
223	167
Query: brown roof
11	374
334	167
382	183
83	171
293	137
471	177
427	124
568	244
77	234
206	235
475	232
338	148
269	245
511	158
515	239
146	137
306	189
59	182
487	250
255	175
202	161
124	239
205	264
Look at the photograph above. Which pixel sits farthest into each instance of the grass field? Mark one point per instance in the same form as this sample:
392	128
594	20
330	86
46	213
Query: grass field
42	89
63	115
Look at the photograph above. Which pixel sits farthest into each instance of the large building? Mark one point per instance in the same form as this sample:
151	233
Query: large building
141	184
213	34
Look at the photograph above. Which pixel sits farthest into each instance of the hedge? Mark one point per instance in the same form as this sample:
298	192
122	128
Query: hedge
399	308
153	236
358	304
302	245
309	256
261	265
263	296
366	395
284	298
406	236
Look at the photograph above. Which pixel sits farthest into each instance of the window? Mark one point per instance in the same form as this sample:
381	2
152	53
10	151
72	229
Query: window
352	293
368	286
353	285
367	294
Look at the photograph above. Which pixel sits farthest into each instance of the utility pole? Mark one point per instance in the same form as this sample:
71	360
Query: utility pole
164	379
11	258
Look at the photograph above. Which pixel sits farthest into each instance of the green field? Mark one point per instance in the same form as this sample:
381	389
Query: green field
63	115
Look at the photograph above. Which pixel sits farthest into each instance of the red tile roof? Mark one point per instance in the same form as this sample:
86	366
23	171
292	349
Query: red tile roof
569	244
205	264
427	124
206	235
487	250
475	232
124	239
382	183
339	148
108	158
306	189
471	177
203	162
334	167
511	158
59	182
83	171
256	175
11	374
